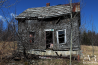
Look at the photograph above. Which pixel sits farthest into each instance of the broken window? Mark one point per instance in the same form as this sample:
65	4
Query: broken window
31	35
61	36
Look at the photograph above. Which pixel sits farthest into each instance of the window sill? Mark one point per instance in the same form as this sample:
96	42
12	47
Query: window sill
62	43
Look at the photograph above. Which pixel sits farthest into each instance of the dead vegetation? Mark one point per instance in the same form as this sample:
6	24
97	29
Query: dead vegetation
7	48
87	50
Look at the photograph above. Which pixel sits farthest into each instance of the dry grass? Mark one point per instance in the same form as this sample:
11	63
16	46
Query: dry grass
87	50
7	47
54	62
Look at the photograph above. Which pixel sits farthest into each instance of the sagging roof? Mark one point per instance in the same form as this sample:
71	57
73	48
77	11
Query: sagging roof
46	12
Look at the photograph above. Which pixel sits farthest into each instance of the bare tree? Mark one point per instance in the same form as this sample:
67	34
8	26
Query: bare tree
93	38
7	35
71	24
1	28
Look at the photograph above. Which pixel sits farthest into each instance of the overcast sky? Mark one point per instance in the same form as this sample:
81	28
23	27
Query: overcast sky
89	9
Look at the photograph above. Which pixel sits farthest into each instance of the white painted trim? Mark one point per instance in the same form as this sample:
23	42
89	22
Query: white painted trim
64	37
48	29
57	37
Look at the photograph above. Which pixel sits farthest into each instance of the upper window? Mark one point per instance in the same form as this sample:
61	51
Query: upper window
31	35
61	36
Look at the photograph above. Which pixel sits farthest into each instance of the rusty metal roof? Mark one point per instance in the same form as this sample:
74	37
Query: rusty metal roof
45	12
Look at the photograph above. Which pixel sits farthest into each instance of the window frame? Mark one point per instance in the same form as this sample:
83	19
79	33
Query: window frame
64	36
32	38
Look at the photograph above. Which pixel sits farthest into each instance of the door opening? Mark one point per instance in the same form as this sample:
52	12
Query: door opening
49	39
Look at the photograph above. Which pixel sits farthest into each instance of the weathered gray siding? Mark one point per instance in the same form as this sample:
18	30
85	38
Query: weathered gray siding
38	27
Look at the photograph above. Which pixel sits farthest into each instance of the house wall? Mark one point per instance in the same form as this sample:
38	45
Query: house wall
39	26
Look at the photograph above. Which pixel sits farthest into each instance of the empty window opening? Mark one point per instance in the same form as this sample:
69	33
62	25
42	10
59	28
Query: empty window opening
31	35
49	39
61	36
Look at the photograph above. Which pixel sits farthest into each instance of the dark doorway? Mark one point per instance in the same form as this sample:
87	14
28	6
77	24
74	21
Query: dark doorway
49	39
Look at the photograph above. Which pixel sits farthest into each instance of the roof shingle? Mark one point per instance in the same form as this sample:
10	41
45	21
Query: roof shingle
45	12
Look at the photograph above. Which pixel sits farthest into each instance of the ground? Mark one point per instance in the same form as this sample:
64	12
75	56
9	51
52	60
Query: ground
88	50
6	48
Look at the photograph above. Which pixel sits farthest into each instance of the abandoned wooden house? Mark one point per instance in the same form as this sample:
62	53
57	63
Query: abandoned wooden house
48	29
